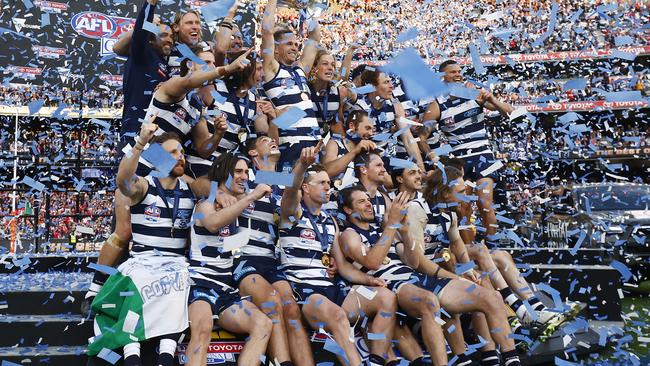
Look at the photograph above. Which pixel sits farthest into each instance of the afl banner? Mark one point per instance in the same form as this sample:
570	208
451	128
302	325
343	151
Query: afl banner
42	37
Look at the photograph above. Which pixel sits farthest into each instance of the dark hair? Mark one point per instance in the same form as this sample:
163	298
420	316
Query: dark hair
237	80
370	77
313	169
446	63
223	167
151	37
160	139
345	195
278	34
457	163
364	160
437	187
357	71
356	116
396	172
196	50
251	144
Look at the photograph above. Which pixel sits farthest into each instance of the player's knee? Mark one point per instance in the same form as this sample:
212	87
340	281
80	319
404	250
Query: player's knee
430	303
201	327
273	305
291	310
262	323
387	300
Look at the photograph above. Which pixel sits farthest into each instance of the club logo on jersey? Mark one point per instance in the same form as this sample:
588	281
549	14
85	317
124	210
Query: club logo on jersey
308	234
225	231
94	25
471	113
184	218
181	113
152	213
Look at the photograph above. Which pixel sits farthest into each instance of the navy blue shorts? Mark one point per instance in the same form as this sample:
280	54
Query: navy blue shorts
302	292
474	165
430	283
218	299
268	268
290	153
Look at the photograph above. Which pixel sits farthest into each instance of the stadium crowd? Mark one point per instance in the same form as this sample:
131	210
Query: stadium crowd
496	27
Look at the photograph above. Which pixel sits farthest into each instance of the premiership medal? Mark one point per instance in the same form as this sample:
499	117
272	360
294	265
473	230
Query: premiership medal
386	261
243	135
326	260
446	255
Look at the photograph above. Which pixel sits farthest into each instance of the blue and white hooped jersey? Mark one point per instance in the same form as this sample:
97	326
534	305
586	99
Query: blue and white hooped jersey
333	105
210	266
151	221
392	269
463	123
177	117
289	88
232	137
260	217
384	119
435	237
301	251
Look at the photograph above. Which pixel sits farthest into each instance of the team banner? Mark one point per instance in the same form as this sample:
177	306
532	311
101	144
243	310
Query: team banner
70	44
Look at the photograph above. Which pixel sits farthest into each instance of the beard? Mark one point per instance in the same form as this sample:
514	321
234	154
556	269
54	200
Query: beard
367	220
178	171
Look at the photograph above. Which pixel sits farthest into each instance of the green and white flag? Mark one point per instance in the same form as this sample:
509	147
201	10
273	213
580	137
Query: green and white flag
145	298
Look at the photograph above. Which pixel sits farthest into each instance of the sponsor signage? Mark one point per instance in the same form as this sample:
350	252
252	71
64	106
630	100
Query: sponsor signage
25	72
48	52
537	57
585	106
222	352
51	6
96	25
112	80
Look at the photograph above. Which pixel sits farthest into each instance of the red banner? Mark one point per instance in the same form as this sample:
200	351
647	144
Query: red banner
585	106
537	57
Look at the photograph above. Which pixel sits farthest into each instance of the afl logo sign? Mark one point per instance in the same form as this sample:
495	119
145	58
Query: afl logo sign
94	25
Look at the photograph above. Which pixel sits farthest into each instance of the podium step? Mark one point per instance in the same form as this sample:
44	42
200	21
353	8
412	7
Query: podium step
47	330
51	356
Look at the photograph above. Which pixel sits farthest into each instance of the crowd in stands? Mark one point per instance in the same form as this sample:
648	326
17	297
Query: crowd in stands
495	27
66	210
22	95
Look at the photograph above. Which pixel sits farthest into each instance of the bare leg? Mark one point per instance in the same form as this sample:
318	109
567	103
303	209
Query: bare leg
268	300
382	308
455	338
510	272
481	254
457	298
407	344
200	314
293	326
465	212
485	193
321	312
246	318
424	304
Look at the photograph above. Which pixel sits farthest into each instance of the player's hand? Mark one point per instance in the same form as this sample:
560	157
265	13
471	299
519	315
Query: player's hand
398	209
308	155
261	190
240	62
266	107
333	268
364	146
220	125
224	199
472	276
484	96
148	130
378	282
